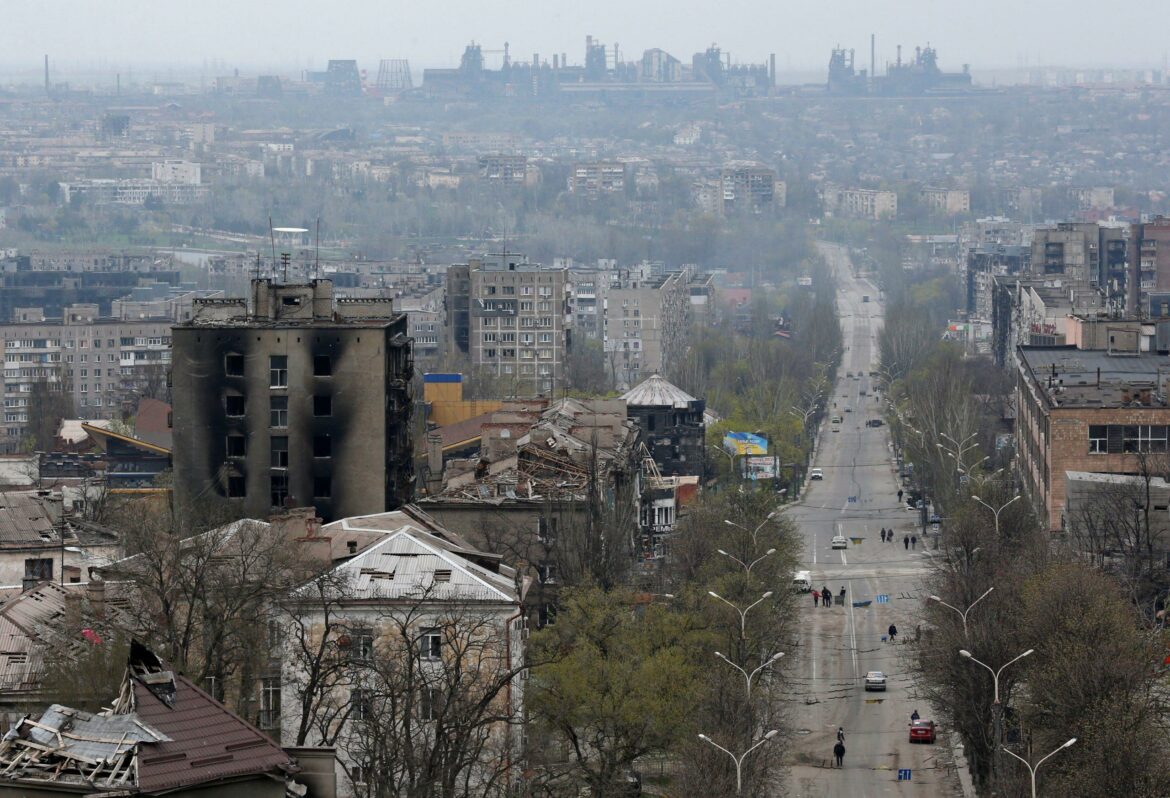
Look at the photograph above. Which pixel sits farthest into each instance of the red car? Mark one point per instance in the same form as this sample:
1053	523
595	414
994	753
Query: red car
922	731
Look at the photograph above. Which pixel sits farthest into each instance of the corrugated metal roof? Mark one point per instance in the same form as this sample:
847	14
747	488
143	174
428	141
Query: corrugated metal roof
657	391
207	741
411	564
24	519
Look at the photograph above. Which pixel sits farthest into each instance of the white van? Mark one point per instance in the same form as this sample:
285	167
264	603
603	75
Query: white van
802	581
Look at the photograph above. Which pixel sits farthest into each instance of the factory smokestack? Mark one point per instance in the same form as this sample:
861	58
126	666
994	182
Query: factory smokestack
46	73
872	57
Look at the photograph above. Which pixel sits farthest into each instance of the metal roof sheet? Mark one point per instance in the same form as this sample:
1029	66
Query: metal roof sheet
657	391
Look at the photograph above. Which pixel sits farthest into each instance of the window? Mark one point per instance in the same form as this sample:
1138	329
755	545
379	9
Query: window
233	365
547	530
39	569
233	404
278	489
275	634
278	411
270	702
430	703
1097	438
360	704
359	775
362	644
547	615
322	487
236	487
278	371
279	450
322	366
236	446
322	406
322	446
1144	438
431	644
547	572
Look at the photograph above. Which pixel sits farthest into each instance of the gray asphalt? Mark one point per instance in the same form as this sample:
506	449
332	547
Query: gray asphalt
838	645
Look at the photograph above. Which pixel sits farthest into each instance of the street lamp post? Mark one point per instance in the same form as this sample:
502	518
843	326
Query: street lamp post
738	760
1033	768
963	613
747	566
746	675
996	706
742	613
995	511
752	532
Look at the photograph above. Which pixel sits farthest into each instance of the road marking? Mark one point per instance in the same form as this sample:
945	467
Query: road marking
852	633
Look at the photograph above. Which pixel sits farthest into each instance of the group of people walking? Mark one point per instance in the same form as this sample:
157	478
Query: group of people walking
824	597
909	541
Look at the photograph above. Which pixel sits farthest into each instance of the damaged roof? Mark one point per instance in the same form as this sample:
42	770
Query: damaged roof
162	734
657	391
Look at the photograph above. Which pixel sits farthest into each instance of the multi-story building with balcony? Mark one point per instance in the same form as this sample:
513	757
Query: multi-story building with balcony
104	363
512	319
647	321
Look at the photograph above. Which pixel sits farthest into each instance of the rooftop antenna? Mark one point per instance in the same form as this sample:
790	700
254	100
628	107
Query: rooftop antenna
286	236
272	236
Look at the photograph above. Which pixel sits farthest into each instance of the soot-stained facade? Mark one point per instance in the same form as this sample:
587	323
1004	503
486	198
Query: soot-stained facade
300	400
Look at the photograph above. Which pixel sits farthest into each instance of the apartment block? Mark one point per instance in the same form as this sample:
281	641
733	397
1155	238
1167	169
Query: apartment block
860	203
596	177
946	201
646	322
299	399
512	319
504	168
1070	250
750	188
105	363
1151	259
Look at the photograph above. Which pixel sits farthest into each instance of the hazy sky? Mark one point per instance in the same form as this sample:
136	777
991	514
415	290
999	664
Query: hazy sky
296	33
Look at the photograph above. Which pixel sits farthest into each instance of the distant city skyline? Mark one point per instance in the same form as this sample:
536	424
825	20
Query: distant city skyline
218	35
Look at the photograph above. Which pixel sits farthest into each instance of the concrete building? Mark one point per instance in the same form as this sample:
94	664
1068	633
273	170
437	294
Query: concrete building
646	323
1084	410
504	168
180	172
860	203
946	201
512	319
106	364
750	188
672	424
299	399
596	177
1150	242
1070	250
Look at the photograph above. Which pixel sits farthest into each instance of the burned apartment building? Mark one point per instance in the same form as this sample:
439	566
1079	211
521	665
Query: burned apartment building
672	425
299	399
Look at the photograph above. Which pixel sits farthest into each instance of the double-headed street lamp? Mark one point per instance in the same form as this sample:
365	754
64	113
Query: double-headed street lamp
738	760
752	532
996	511
996	706
742	613
746	675
746	565
1033	768
963	613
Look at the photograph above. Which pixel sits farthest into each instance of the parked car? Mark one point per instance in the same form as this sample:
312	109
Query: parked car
875	680
839	542
816	473
935	518
874	422
923	731
849	375
802	581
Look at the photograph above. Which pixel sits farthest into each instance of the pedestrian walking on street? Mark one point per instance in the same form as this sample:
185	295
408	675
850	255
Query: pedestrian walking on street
839	754
914	542
893	632
842	595
841	735
816	598
906	542
826	597
899	494
883	534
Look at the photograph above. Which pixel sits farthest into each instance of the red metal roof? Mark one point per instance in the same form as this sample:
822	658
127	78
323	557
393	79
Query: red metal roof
209	742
